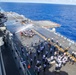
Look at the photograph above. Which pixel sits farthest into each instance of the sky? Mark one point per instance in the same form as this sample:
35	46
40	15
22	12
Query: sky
44	1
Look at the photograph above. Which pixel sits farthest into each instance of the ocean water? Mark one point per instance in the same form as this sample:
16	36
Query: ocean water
65	15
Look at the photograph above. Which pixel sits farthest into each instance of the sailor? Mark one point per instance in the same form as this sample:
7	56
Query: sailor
45	43
24	63
55	53
38	46
35	69
64	59
52	40
75	54
42	49
58	64
59	57
34	57
46	61
22	50
57	67
38	64
52	59
30	53
44	67
38	53
51	51
49	45
46	53
43	58
71	60
21	59
41	43
31	61
57	42
38	70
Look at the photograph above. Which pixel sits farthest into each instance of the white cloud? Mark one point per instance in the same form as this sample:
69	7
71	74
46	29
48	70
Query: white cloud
44	1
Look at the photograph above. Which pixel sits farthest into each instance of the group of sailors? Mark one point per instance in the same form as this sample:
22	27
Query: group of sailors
27	33
44	56
60	60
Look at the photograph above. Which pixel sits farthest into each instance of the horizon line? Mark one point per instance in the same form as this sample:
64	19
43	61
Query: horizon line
38	2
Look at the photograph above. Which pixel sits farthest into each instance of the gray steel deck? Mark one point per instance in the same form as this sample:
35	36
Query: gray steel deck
69	69
64	42
13	26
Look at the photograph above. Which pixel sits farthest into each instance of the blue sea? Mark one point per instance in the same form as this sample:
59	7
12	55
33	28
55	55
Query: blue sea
65	15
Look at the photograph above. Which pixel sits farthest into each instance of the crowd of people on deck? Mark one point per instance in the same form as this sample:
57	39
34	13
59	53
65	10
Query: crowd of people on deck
27	33
44	56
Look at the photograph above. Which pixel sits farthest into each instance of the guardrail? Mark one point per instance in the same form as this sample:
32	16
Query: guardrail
2	63
13	41
25	70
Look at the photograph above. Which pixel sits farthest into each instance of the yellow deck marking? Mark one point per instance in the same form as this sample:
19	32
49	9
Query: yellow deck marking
40	35
60	49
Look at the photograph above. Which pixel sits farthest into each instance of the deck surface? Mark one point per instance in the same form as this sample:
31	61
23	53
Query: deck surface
68	69
44	33
56	37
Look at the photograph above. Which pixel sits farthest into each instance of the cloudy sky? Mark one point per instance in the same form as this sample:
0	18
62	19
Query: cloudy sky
44	1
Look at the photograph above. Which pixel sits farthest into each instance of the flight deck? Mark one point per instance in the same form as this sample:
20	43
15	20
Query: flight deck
31	34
